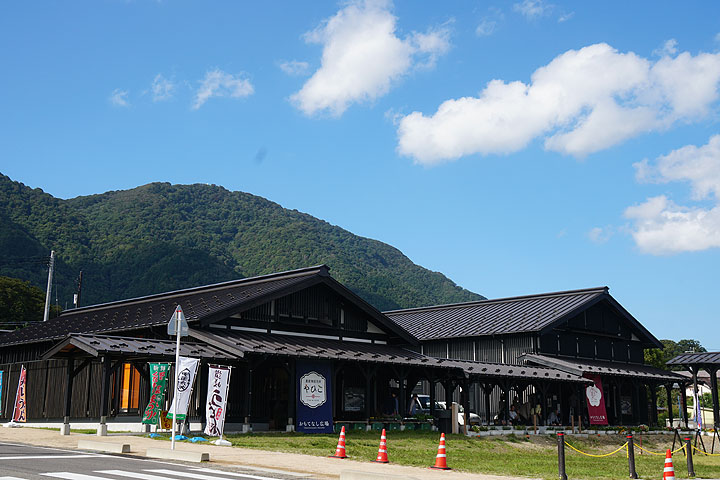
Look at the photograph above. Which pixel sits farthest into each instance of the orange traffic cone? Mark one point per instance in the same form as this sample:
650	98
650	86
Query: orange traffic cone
382	451
441	457
669	472
340	450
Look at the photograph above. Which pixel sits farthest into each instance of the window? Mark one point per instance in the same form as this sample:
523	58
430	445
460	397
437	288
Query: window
129	389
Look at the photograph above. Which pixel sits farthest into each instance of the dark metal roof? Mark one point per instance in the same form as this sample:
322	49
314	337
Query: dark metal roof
690	359
96	345
529	313
580	366
332	349
198	304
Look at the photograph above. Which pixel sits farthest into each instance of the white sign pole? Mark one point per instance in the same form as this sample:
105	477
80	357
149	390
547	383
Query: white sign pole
177	376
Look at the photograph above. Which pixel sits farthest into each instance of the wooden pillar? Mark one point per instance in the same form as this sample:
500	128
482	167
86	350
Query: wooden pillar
104	396
402	400
292	396
714	388
432	396
368	394
653	397
668	392
65	429
465	402
202	392
487	388
248	397
683	401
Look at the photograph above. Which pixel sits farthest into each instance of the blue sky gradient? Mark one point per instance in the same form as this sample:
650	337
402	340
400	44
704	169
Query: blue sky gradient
308	105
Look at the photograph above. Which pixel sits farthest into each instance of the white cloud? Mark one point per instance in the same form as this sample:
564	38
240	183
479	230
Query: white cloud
363	56
662	227
668	49
581	102
600	235
162	88
532	9
118	97
486	27
294	67
220	84
565	17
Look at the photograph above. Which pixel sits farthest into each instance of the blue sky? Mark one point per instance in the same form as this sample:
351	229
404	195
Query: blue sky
517	147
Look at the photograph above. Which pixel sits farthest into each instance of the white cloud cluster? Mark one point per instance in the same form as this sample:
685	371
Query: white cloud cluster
162	88
294	67
119	98
662	227
532	9
583	101
220	84
362	57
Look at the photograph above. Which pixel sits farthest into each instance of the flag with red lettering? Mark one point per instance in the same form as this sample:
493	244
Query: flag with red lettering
20	411
215	406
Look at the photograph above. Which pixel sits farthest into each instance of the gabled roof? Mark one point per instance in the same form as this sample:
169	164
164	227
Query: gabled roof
254	343
128	347
694	359
201	305
581	366
529	313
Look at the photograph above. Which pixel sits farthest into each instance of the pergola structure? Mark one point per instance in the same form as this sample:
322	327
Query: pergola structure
694	362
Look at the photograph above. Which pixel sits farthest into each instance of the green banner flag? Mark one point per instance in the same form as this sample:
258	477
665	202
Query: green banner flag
159	373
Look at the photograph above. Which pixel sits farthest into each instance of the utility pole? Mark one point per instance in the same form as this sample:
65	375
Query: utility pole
49	286
76	299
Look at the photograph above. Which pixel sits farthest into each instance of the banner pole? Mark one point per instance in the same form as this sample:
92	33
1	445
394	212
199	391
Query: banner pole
17	393
177	377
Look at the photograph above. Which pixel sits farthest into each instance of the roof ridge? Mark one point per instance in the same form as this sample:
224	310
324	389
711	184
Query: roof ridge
322	270
448	306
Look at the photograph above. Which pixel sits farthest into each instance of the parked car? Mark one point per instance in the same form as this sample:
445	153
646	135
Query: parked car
473	418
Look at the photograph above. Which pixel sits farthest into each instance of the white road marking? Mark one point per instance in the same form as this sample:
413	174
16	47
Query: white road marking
259	469
23	457
139	476
198	476
73	476
10	478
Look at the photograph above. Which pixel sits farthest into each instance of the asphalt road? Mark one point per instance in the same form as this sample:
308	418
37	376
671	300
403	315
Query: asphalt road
42	463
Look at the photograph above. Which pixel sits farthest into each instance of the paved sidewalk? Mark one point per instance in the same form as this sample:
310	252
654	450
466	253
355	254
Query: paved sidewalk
317	466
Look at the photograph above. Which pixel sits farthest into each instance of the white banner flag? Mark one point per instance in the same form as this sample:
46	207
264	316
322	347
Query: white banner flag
218	386
183	389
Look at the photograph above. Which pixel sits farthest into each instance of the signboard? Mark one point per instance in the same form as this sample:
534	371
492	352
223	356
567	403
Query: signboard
185	379
596	402
215	405
159	374
171	326
314	397
20	410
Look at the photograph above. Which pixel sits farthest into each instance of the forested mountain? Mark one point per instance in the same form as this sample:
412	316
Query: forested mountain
161	237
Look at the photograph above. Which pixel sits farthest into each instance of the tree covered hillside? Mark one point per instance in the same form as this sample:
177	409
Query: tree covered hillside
161	237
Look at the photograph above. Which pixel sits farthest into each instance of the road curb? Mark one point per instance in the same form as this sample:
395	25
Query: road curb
103	446
364	475
182	455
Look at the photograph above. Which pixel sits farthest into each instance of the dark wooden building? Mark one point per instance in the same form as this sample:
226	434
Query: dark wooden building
90	365
583	332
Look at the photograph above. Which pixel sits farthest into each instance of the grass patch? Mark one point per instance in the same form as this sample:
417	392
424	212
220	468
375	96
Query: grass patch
535	456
